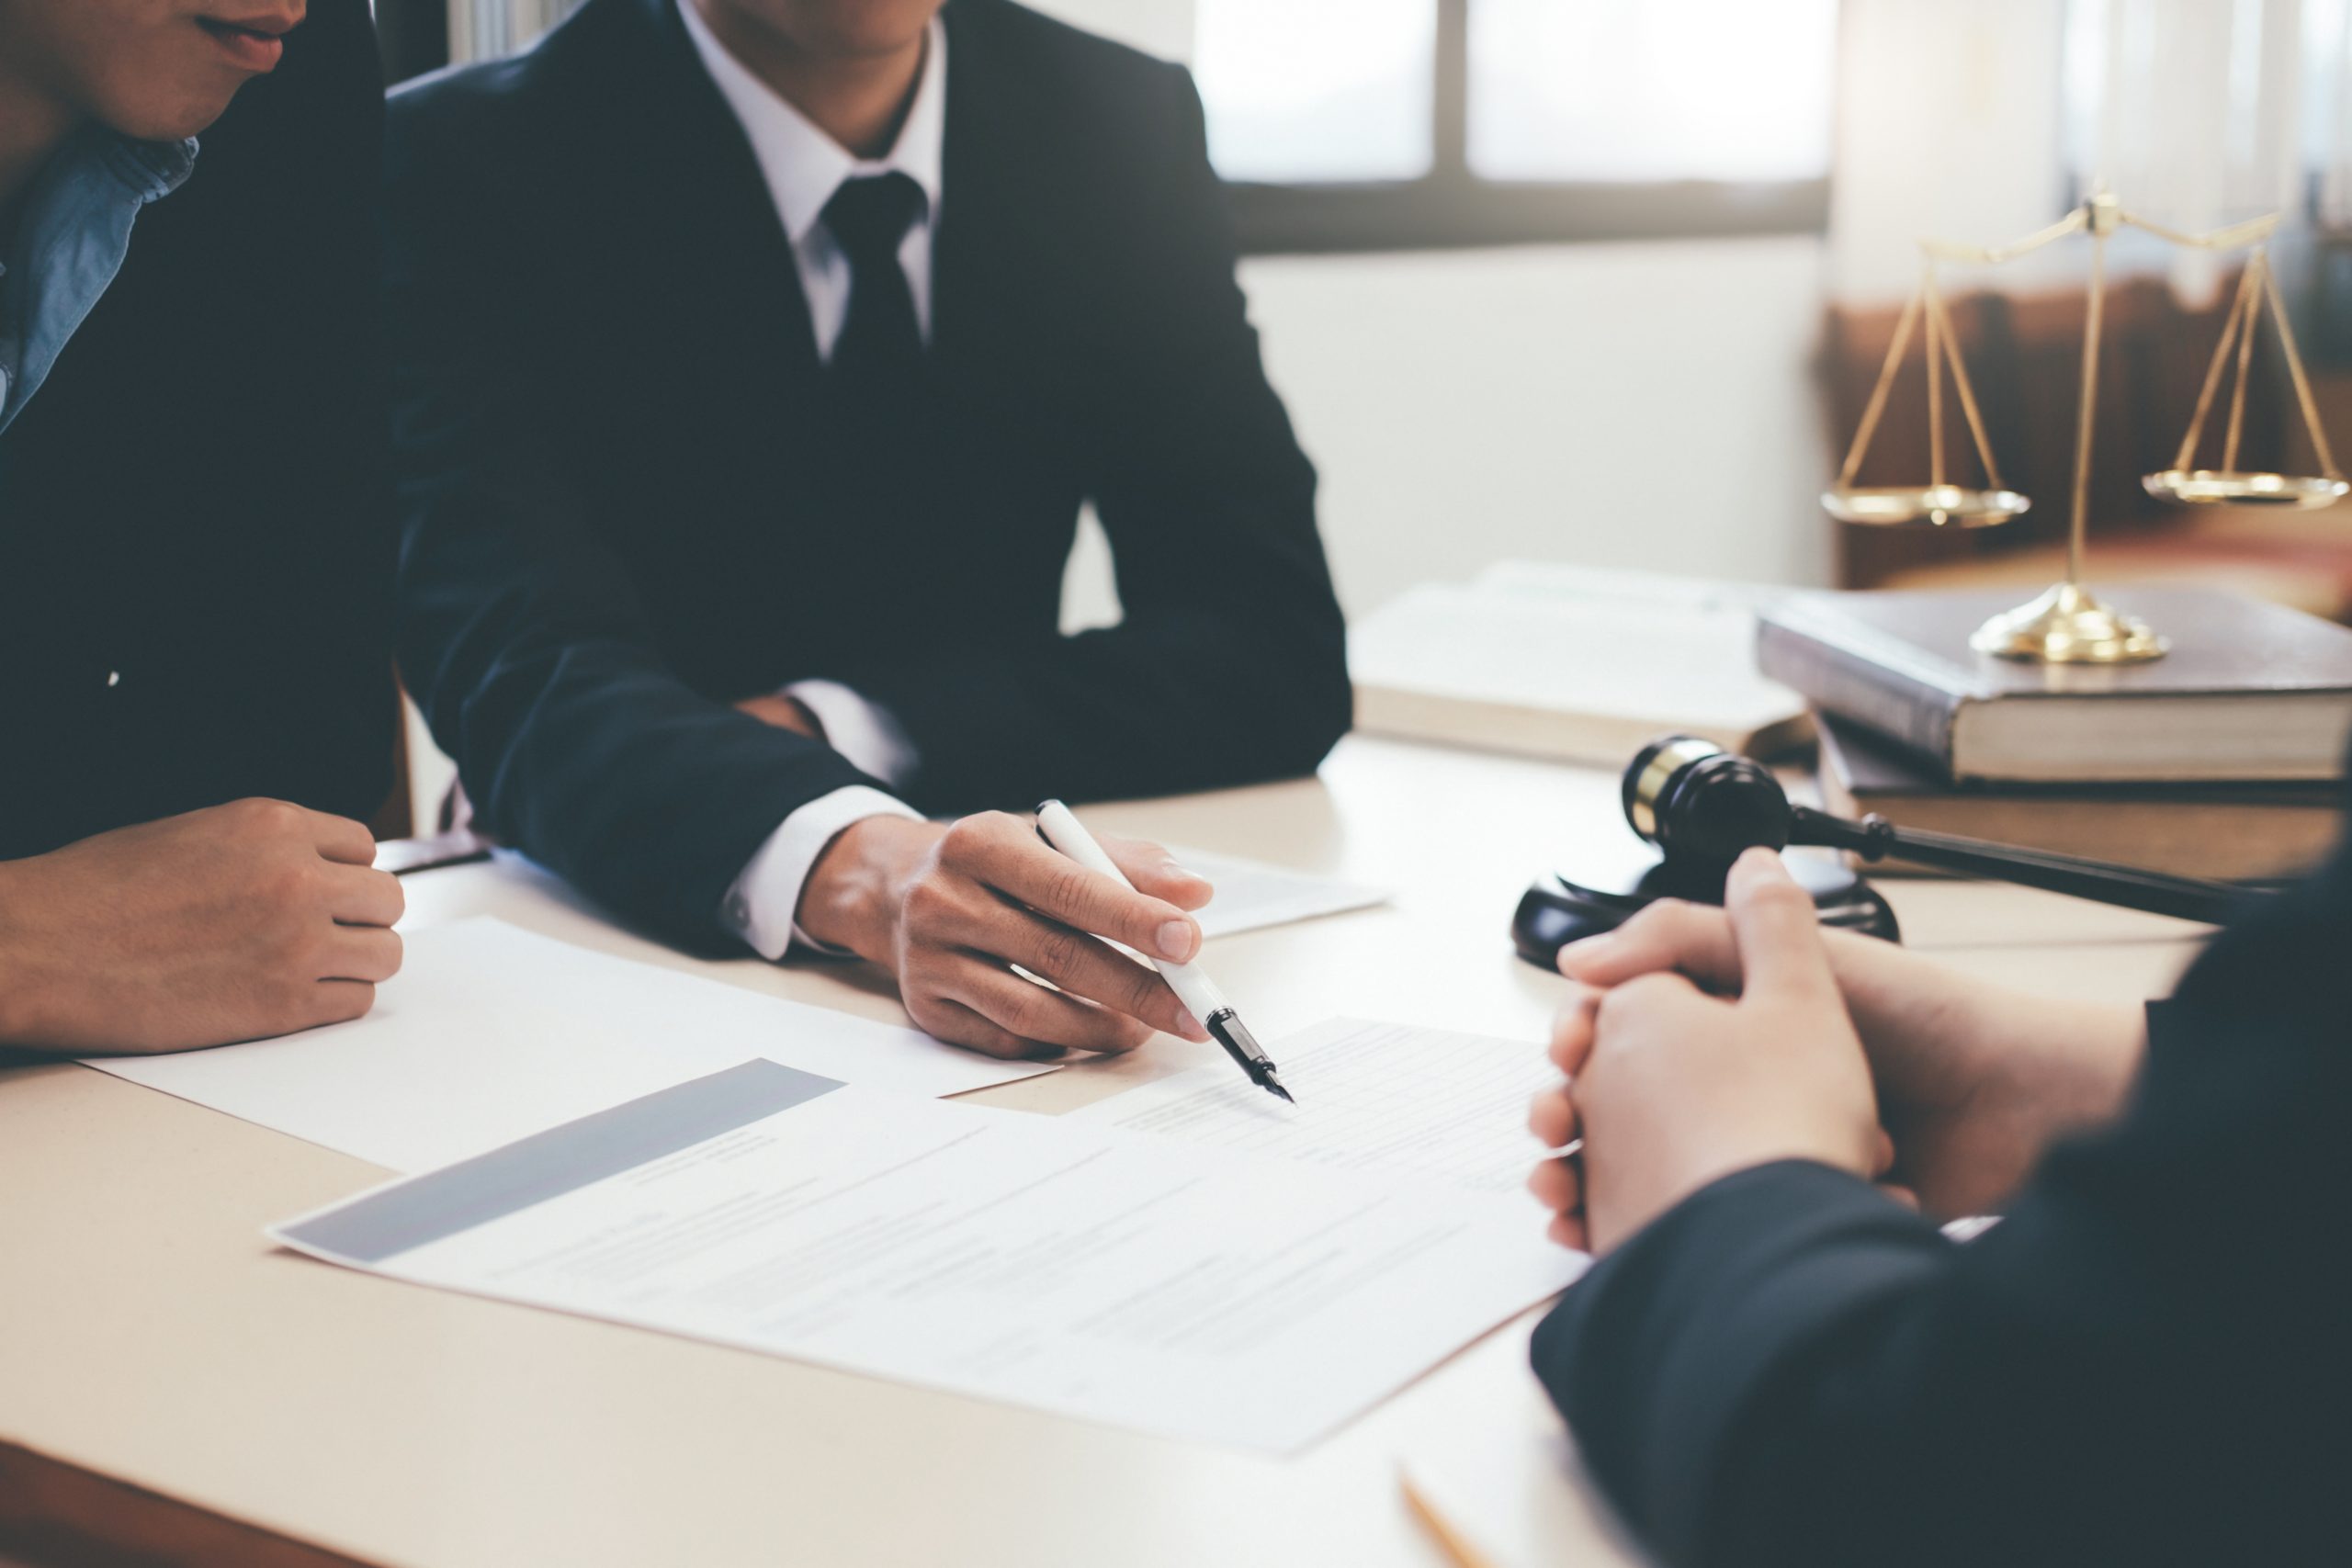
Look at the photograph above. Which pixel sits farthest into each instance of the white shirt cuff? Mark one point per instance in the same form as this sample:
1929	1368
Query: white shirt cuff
762	904
862	731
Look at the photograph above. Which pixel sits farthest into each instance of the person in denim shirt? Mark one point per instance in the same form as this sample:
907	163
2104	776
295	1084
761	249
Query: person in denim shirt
195	572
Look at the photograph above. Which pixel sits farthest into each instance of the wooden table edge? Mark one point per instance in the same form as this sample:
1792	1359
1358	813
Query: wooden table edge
54	1514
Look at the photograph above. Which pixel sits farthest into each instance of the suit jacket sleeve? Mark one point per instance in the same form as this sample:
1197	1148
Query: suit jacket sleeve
1230	663
2143	1364
520	634
298	153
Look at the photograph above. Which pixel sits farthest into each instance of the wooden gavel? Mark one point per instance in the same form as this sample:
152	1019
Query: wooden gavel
1702	806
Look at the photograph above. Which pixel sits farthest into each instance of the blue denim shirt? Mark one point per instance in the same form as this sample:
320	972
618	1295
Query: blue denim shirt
74	231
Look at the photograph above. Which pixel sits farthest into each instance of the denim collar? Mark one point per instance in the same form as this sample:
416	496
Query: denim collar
70	245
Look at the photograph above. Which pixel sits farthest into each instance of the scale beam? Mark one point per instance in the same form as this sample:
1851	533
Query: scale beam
2068	625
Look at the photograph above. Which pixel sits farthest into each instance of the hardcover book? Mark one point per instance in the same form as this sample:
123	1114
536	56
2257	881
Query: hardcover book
2227	832
2251	690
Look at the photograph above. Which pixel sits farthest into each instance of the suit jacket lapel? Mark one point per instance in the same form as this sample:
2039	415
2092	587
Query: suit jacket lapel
710	249
975	261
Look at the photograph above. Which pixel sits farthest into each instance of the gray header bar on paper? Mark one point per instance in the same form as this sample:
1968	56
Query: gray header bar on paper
547	1165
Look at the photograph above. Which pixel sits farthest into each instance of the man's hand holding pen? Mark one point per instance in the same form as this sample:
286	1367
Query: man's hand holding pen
951	908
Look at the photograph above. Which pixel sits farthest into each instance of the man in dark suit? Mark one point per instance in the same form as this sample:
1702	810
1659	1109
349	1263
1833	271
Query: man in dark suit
758	357
195	542
2146	1362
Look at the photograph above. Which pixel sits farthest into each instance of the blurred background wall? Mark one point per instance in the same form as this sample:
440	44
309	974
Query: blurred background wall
1618	401
1596	279
1675	401
1606	281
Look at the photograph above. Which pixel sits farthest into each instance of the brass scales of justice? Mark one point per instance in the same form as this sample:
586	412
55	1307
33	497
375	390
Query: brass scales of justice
2068	625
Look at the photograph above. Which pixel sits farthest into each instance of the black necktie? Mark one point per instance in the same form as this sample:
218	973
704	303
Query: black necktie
881	339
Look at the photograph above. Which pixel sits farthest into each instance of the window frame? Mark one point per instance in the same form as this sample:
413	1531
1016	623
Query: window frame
1449	208
1453	207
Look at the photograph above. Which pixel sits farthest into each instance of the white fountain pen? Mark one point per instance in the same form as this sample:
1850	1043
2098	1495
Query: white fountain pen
1194	989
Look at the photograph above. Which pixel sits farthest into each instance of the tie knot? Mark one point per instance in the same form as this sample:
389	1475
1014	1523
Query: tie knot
869	217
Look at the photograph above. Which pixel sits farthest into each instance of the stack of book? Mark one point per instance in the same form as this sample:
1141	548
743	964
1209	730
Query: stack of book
2223	760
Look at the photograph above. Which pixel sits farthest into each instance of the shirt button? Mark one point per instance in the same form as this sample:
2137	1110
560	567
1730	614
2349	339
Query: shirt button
114	678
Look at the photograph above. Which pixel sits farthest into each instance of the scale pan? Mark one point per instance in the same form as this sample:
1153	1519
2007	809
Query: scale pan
2214	486
1939	506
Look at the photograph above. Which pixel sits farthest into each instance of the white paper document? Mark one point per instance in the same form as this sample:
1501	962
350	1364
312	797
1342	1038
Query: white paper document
1252	894
1381	1098
1069	1268
490	1032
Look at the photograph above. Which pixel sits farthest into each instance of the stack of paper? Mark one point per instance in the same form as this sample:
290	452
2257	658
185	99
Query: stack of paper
1252	894
491	1031
1189	1257
1422	1104
1066	1266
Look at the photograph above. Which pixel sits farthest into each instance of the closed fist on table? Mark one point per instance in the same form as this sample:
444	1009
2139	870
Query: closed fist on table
235	922
1671	1088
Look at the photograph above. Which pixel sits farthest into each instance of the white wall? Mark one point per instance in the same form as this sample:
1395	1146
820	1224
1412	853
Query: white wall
1624	405
1628	405
1980	123
1949	125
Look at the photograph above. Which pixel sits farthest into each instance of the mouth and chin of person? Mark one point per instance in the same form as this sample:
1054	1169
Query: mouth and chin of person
251	42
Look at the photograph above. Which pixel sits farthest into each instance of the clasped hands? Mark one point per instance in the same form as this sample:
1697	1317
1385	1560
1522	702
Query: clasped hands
1701	1040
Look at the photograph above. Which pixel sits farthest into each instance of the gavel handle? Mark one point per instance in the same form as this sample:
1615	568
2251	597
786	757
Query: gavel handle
1874	838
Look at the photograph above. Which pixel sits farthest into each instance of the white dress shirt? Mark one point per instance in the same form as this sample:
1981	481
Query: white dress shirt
804	168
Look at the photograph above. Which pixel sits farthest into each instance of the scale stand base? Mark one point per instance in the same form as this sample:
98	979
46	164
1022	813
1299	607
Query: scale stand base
2068	625
1554	911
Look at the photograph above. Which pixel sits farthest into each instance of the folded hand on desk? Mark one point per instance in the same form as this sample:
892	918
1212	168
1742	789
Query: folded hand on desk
1674	1088
952	907
238	921
1972	1082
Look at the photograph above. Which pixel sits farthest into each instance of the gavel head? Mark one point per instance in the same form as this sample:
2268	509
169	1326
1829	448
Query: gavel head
1699	804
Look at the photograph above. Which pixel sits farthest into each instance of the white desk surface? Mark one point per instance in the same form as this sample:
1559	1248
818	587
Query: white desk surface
149	1333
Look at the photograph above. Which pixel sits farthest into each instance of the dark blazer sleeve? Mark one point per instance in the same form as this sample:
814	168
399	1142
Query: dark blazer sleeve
2145	1364
273	565
324	649
520	634
1230	663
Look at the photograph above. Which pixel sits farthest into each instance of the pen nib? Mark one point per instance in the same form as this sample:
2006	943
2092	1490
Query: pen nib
1273	1086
